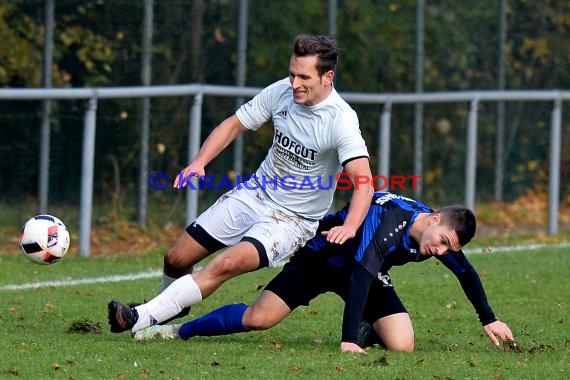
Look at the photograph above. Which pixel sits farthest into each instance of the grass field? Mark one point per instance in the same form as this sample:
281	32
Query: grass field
528	289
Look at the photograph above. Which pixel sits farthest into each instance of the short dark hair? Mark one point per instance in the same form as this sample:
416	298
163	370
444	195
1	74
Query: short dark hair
324	47
461	220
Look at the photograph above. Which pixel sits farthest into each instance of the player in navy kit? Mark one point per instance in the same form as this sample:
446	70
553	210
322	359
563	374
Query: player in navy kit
316	135
397	230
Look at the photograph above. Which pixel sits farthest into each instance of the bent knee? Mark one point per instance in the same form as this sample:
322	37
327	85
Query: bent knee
183	254
256	321
401	345
229	264
226	265
175	259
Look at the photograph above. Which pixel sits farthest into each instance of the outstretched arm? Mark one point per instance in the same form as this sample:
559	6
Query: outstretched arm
473	289
217	141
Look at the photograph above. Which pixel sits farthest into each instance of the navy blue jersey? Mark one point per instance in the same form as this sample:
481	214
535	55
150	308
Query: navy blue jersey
384	233
383	241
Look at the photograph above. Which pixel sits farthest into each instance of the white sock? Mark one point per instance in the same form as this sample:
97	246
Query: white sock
176	329
181	293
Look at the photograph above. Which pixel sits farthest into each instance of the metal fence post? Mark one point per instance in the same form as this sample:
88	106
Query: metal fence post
419	107
87	169
241	67
43	185
384	141
471	158
146	71
554	178
194	136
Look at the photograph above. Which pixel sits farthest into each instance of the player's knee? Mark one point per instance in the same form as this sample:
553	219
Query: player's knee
184	253
230	264
224	265
403	344
175	259
256	320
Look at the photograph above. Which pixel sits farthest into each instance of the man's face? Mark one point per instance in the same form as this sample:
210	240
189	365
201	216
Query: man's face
309	88
436	239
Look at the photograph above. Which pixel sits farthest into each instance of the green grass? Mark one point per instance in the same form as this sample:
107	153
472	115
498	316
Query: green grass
529	290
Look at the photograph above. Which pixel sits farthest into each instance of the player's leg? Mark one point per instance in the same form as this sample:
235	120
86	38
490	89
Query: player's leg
208	234
241	258
390	321
181	257
248	255
396	332
188	289
295	285
180	260
265	312
237	216
268	242
300	281
224	320
222	224
275	231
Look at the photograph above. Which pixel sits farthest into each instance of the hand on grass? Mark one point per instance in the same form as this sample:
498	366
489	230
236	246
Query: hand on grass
498	330
351	347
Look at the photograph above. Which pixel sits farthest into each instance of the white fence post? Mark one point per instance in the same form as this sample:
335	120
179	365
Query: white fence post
194	136
471	155
87	169
554	178
384	143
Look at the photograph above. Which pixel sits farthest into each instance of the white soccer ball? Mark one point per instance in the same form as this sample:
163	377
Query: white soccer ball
44	239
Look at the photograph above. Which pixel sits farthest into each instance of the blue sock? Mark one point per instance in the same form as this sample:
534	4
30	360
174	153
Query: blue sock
222	321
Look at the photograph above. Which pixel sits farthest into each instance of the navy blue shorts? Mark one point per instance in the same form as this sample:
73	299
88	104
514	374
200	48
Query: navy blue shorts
306	276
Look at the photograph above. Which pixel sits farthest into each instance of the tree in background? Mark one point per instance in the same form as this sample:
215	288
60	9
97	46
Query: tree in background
98	43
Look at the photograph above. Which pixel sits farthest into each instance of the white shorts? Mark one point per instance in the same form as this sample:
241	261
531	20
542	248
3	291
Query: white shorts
244	214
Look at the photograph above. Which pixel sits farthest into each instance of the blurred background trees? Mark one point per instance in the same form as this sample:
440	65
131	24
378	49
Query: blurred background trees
98	43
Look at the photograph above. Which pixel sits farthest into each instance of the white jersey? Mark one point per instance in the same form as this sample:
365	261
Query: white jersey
310	145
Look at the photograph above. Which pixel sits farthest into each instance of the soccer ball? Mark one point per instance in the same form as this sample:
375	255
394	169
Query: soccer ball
44	239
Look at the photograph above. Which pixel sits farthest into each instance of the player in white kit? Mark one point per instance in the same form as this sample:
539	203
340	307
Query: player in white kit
273	214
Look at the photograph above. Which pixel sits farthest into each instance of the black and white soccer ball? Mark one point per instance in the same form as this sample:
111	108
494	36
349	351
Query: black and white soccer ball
44	239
